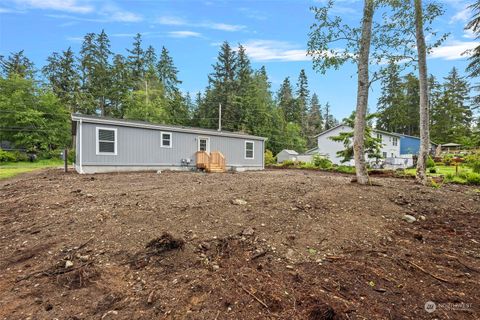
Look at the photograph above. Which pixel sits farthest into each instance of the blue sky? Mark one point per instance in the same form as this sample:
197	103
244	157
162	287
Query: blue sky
273	32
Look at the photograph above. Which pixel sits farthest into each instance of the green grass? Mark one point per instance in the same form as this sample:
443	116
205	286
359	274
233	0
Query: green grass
11	169
441	170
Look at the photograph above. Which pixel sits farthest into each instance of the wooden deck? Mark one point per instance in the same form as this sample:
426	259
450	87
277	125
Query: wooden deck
210	162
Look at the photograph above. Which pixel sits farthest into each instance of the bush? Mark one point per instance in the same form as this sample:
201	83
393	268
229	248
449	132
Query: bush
321	162
269	158
50	154
473	178
473	161
71	156
448	160
430	162
6	156
288	163
344	169
432	170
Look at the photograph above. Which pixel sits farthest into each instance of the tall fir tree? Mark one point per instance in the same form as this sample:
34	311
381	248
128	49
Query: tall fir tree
314	121
18	65
302	98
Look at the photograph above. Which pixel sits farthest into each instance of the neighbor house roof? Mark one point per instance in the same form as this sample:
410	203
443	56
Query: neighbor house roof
149	125
414	137
346	125
292	152
451	144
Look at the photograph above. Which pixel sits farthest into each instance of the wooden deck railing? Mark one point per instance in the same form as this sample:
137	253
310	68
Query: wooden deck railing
213	162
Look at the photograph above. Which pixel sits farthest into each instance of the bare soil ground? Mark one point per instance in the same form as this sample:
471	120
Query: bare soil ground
284	244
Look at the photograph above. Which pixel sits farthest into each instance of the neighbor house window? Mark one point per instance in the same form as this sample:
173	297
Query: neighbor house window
106	141
379	136
166	139
384	154
395	142
248	149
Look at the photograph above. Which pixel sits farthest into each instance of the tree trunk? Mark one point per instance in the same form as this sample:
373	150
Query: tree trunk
362	94
422	71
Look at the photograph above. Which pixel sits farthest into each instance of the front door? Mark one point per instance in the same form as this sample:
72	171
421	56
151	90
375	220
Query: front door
203	144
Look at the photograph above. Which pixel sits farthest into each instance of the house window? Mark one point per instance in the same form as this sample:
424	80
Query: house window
395	142
384	154
379	136
248	149
166	139
106	141
203	144
393	156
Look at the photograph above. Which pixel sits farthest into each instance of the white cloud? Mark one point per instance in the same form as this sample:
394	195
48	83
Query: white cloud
177	21
60	5
273	50
114	13
184	34
461	16
453	50
171	21
224	26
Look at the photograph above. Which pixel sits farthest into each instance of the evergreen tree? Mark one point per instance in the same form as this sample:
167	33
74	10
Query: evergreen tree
62	75
17	64
168	73
329	119
222	89
303	95
392	115
314	121
121	85
286	101
136	62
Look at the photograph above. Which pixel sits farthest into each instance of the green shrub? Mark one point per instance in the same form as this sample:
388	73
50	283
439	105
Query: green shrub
430	162
473	178
7	156
288	163
269	158
71	156
50	154
321	162
448	160
473	161
308	165
20	156
344	169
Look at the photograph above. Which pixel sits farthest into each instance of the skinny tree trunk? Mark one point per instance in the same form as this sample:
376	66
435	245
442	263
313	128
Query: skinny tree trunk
362	94
422	70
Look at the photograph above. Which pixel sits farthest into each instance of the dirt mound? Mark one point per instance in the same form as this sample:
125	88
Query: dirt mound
165	242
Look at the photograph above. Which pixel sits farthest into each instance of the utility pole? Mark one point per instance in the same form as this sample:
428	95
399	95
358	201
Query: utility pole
219	117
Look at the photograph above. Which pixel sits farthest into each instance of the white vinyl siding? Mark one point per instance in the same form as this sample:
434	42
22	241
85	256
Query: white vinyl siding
249	147
166	138
106	141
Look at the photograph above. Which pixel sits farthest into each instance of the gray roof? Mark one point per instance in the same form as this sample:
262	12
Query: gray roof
149	125
451	144
290	151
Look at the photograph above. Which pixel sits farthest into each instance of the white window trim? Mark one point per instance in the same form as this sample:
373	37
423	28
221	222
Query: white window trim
208	143
97	144
245	150
161	139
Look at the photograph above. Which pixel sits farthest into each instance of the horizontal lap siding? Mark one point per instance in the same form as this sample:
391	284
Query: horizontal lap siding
138	146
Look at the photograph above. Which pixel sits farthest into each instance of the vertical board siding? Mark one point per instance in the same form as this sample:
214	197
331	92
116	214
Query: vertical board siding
139	146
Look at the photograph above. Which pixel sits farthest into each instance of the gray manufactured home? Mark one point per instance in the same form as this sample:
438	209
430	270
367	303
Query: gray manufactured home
112	145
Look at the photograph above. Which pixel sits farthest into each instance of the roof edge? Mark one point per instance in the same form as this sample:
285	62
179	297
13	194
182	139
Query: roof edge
149	125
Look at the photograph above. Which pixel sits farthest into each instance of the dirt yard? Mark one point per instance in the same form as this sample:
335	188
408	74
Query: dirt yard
284	244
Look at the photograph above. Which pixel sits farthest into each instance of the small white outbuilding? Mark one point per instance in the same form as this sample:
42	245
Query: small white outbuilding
286	154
